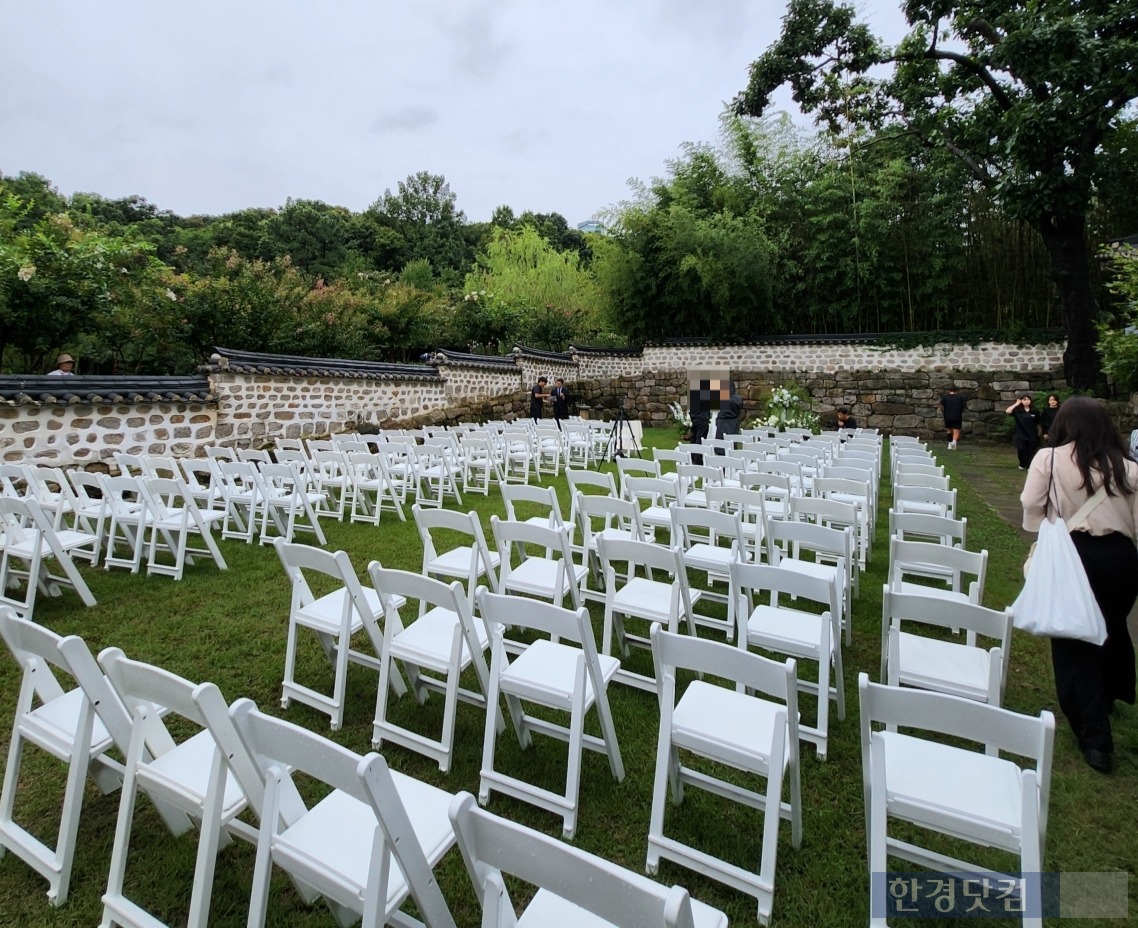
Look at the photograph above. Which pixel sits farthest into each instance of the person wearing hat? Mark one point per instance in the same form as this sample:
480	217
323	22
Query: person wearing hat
64	366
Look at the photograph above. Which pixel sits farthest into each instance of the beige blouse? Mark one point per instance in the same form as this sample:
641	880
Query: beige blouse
1117	513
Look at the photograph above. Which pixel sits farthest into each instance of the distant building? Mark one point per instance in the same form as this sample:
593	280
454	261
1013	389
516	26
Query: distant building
591	225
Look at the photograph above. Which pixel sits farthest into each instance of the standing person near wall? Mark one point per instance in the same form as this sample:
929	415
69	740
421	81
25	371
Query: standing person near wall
1026	430
561	400
952	407
730	418
1047	417
1089	455
537	397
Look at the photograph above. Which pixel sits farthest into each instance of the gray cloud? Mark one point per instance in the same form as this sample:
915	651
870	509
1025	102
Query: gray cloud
406	119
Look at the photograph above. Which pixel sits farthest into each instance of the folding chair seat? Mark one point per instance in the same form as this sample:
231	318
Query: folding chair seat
752	728
190	775
710	541
288	504
573	887
469	563
569	678
776	627
653	587
242	491
90	510
945	665
984	798
68	724
173	516
953	567
832	549
928	500
28	543
335	618
444	639
367	846
551	575
608	517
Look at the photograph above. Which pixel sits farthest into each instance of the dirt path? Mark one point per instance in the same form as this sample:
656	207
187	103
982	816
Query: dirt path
994	473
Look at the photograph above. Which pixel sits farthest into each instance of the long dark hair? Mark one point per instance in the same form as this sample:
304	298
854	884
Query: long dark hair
1084	422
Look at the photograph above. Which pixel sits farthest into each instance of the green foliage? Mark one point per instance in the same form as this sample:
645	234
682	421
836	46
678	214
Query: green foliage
1119	346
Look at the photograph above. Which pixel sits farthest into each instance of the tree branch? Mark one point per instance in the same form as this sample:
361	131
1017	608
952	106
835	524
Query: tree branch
976	68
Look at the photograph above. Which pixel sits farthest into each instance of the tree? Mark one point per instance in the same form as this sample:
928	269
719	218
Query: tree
423	210
1027	94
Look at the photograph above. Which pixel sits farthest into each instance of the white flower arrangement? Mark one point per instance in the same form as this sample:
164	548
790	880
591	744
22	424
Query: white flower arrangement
787	407
680	415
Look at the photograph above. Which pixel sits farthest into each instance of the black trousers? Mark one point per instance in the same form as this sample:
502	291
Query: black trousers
1026	451
1089	677
698	434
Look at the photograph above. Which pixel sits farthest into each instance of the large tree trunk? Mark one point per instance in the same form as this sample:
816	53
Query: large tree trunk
1065	238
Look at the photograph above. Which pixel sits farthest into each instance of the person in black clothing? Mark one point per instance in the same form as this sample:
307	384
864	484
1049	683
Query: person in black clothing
952	405
1047	416
561	400
730	418
845	420
537	397
1026	430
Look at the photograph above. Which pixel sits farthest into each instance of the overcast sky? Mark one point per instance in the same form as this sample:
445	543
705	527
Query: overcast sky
209	106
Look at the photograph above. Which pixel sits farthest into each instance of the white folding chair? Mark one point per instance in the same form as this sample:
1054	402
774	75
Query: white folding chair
331	477
173	516
578	445
191	775
789	543
288	504
444	639
28	544
553	675
945	665
90	513
919	526
517	455
241	489
656	496
710	541
542	501
334	617
750	505
756	734
775	488
203	480
466	562
588	483
835	513
478	464
694	479
552	575
436	474
549	449
574	888
775	626
953	567
64	724
928	500
367	846
653	587
983	798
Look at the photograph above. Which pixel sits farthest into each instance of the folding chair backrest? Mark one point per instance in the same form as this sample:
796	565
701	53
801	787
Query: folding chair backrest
819	509
928	527
639	554
129	465
297	558
957	561
907	478
588	482
712	526
492	846
220	453
533	614
775	581
945	613
904	498
615	511
782	534
543	497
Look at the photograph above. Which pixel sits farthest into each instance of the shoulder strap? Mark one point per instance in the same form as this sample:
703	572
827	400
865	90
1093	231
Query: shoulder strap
1087	508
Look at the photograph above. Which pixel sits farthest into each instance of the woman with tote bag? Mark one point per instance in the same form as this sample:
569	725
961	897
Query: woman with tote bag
1089	455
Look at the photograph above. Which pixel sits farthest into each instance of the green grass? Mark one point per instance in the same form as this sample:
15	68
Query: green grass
229	627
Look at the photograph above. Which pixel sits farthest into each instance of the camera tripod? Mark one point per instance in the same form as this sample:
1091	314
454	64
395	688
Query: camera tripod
615	447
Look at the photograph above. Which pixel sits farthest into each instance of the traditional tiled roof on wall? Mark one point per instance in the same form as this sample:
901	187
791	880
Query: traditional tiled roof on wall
563	357
594	349
463	359
846	338
255	362
46	390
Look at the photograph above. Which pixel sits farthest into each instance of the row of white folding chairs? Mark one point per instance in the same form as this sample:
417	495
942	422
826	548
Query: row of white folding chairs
365	849
562	671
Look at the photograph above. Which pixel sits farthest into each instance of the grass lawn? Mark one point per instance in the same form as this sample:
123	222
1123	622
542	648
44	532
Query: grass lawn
229	627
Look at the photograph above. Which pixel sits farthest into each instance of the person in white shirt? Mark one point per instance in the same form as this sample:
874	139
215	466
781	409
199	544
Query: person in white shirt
64	366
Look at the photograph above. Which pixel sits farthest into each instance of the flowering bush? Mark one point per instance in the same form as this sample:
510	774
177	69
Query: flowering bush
787	406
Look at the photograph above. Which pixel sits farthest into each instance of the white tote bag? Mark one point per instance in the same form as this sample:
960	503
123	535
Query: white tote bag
1056	599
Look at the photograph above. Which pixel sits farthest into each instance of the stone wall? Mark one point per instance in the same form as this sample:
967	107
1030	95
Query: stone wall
595	365
253	410
832	357
82	434
471	382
